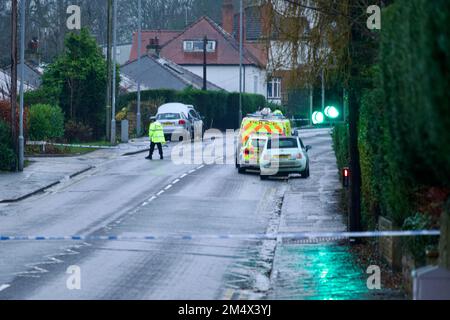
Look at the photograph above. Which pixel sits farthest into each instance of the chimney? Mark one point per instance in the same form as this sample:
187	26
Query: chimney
228	16
153	48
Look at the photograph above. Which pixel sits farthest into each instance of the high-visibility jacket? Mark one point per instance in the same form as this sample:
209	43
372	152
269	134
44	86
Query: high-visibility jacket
278	113
156	133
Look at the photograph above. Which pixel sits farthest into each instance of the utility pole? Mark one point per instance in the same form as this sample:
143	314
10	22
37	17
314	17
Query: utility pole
22	80
108	63
241	55
113	113
311	103
138	112
205	45
14	76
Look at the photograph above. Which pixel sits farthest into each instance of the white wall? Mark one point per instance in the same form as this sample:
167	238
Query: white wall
227	77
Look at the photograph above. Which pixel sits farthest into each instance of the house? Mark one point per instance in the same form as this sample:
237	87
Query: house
264	28
185	48
159	73
122	52
32	75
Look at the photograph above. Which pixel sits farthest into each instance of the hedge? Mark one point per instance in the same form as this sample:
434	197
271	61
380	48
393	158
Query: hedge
220	108
404	136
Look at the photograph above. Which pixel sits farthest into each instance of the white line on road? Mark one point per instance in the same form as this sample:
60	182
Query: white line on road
192	171
151	199
183	176
168	187
201	167
176	181
4	286
160	193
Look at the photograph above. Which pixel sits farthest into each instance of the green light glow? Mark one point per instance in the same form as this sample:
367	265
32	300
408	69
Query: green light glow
331	112
318	117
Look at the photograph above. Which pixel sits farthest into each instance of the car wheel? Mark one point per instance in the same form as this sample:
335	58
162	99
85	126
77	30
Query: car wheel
305	174
241	170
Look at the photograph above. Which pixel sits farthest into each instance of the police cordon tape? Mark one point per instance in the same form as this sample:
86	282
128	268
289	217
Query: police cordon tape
44	143
269	236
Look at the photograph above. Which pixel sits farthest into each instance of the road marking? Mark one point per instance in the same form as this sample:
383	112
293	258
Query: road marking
168	187
4	286
176	181
160	193
201	167
145	204
192	171
183	176
151	199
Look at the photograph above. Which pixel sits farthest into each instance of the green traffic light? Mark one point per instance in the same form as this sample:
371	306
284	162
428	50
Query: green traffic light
318	117
331	112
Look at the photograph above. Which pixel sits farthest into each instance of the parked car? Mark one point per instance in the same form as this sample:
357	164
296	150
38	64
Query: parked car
180	121
284	155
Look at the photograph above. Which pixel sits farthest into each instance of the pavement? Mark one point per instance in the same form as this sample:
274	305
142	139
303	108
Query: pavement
45	172
131	196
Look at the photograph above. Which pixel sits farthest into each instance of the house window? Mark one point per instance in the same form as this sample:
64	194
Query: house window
274	88
197	46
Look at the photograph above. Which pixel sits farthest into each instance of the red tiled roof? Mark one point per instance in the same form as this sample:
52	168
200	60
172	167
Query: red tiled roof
163	35
227	48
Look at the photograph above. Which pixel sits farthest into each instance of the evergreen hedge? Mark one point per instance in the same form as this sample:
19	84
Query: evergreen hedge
220	108
404	136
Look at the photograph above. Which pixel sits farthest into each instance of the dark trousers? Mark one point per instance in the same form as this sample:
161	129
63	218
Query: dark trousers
152	149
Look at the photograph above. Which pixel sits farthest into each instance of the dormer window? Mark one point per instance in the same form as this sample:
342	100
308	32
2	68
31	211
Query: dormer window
197	46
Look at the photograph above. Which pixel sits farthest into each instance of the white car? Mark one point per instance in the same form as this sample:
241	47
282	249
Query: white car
180	120
284	155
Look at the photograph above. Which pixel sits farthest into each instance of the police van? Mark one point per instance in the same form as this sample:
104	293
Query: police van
253	134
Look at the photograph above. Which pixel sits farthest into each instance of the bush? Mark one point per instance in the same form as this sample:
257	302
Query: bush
78	132
417	246
5	115
7	157
46	122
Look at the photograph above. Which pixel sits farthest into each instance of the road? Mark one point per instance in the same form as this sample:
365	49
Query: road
131	196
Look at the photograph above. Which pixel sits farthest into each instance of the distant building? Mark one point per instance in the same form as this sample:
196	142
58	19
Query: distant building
159	73
33	80
185	48
123	52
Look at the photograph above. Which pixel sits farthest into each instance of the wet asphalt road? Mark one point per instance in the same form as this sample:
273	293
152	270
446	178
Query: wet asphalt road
131	196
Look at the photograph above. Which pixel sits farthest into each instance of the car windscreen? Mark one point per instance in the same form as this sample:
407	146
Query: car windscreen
283	143
168	116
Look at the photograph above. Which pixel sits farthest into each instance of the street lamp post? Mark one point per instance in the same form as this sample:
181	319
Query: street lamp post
109	76
138	113
13	93
241	49
114	66
22	75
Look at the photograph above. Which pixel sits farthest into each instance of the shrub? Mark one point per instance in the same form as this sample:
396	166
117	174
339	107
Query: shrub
7	157
46	122
417	246
5	115
78	132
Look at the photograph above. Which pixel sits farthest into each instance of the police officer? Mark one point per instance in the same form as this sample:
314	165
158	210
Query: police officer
278	113
156	135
